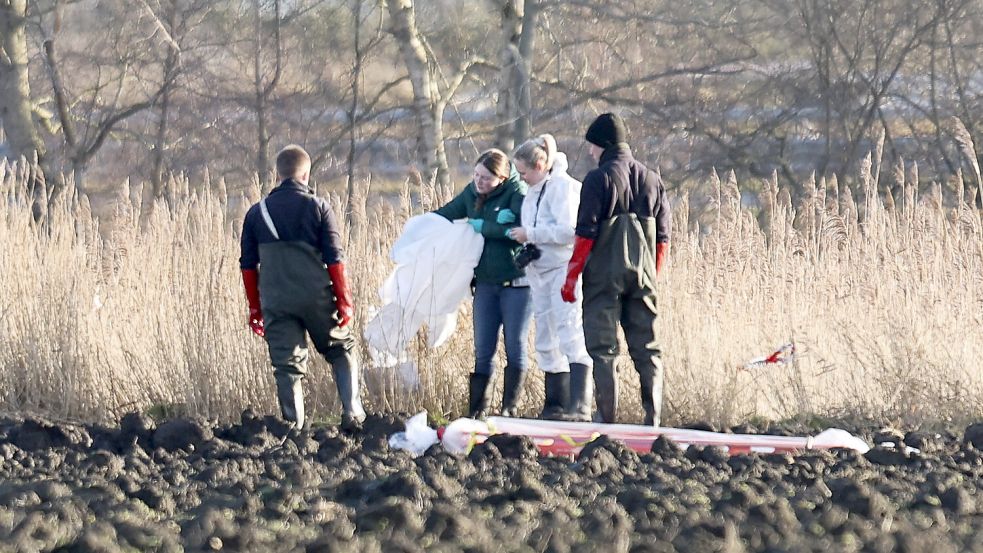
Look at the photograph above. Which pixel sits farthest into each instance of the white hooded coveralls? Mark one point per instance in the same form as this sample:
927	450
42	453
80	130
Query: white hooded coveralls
549	214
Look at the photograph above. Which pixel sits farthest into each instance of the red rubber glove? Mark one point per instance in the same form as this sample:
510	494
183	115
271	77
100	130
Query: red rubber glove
343	296
250	279
581	248
661	252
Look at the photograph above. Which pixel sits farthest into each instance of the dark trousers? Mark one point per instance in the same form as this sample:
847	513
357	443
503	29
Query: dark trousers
607	304
297	301
619	288
286	337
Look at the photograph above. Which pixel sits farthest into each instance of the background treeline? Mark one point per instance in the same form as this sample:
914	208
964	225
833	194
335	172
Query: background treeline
106	90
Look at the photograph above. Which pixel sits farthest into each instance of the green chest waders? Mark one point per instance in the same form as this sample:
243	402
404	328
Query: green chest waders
619	287
297	301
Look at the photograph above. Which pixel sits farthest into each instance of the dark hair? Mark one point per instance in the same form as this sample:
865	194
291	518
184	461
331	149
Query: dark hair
497	164
292	161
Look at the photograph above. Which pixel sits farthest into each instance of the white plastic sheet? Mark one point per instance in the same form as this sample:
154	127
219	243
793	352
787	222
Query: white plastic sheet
435	261
562	438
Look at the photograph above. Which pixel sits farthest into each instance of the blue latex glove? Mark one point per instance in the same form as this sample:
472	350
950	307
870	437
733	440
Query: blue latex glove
476	224
505	217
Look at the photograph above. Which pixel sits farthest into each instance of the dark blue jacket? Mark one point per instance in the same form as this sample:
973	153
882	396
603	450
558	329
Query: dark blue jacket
619	173
299	216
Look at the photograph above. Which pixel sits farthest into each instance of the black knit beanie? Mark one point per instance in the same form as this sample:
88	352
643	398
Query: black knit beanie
607	130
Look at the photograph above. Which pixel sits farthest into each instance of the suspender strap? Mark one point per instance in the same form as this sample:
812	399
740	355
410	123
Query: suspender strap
535	218
267	219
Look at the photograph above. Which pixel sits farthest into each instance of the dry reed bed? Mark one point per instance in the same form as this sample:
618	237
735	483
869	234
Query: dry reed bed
883	298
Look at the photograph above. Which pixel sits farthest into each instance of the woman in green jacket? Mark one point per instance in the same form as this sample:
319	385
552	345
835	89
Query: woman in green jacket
491	203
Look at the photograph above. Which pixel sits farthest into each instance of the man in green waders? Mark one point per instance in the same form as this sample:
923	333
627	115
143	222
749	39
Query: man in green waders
622	237
300	288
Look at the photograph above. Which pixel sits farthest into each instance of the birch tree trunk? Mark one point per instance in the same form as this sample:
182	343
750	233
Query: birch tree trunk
514	108
426	94
507	107
527	42
15	92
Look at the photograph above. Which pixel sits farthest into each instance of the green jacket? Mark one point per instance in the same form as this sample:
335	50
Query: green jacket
495	265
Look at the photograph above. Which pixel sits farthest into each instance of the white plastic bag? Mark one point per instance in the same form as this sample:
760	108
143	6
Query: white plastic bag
417	438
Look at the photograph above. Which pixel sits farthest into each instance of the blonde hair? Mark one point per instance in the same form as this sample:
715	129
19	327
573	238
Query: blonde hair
539	149
292	162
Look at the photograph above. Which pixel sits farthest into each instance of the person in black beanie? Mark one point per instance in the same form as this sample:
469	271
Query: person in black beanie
622	239
607	130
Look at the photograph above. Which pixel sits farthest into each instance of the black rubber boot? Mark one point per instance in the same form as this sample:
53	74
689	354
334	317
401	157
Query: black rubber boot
557	396
345	369
581	393
290	394
514	379
606	391
477	399
650	380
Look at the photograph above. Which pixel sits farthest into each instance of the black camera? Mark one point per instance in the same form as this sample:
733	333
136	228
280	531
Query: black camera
526	255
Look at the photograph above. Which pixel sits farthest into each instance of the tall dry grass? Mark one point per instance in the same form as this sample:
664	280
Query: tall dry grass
882	297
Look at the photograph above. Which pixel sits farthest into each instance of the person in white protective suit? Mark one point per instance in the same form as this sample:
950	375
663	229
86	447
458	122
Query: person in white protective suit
549	214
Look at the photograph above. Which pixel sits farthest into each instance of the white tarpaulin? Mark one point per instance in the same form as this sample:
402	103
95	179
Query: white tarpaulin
563	438
435	261
568	438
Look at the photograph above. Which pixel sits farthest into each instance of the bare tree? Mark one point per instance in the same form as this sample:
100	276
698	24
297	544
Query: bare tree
430	99
173	22
170	73
356	86
509	59
859	50
514	105
427	98
669	66
264	87
15	90
88	114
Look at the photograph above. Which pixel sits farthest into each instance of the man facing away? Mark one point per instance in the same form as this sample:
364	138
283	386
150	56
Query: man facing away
623	226
294	275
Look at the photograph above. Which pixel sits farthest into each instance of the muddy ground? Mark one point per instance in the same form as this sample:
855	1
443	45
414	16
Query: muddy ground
192	486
